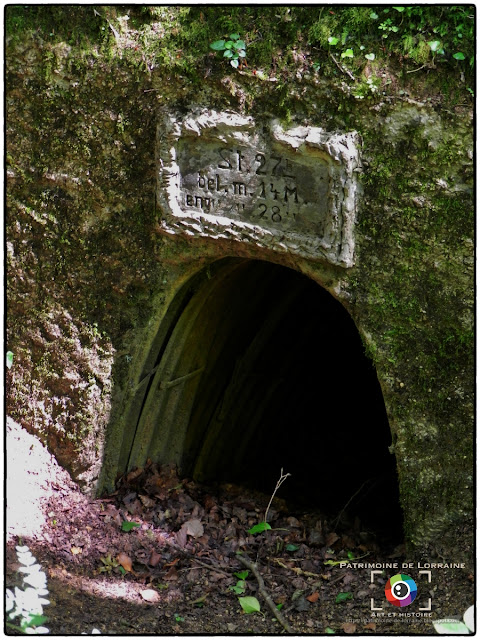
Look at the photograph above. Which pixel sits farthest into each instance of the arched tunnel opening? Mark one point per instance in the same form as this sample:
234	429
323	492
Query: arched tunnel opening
263	369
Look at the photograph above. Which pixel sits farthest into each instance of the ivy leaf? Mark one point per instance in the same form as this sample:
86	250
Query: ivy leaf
348	53
434	45
333	41
457	56
370	56
234	36
128	526
400	9
373	15
258	528
218	45
249	604
343	596
234	63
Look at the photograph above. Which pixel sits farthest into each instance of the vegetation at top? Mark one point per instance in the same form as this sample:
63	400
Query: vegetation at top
181	38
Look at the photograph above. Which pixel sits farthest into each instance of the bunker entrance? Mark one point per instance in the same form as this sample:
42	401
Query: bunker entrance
279	379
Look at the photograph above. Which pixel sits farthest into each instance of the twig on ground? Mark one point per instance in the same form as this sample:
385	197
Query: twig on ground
212	567
342	68
419	69
300	572
261	586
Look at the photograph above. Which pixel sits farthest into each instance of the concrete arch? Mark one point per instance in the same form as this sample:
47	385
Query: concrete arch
256	367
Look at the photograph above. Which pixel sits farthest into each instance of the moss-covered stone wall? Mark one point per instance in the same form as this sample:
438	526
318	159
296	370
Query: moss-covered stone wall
91	274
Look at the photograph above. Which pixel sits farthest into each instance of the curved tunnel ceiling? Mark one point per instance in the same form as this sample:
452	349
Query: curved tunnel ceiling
263	369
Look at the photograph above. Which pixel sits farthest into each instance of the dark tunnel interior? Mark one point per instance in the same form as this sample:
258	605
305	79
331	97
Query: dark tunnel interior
287	385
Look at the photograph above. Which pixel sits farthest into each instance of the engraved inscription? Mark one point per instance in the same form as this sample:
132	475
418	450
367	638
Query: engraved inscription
254	185
224	176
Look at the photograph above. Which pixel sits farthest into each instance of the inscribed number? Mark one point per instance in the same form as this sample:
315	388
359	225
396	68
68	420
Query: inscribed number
273	213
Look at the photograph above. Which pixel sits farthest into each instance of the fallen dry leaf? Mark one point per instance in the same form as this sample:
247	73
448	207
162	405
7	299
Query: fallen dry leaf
193	528
349	627
154	558
172	574
125	561
331	538
371	626
314	597
134	474
181	537
150	595
147	502
172	563
76	550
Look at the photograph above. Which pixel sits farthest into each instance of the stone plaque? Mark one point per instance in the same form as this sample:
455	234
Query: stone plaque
224	176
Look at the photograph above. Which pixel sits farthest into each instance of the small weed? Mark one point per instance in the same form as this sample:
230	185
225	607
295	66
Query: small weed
109	564
234	49
239	588
367	87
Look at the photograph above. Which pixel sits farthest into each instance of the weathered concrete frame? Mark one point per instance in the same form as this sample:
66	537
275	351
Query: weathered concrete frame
311	149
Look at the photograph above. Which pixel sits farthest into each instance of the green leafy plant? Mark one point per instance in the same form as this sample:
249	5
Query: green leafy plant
128	526
264	526
233	49
249	604
258	528
418	33
27	604
343	596
239	588
366	87
9	355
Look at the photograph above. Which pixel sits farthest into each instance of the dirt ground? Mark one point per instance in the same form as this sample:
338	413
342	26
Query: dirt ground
160	555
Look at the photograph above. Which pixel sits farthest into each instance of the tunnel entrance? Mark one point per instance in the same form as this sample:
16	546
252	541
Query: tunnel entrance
263	369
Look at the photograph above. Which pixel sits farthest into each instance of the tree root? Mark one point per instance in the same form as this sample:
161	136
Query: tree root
261	585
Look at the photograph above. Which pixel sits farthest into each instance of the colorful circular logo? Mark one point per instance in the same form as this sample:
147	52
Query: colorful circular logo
401	590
